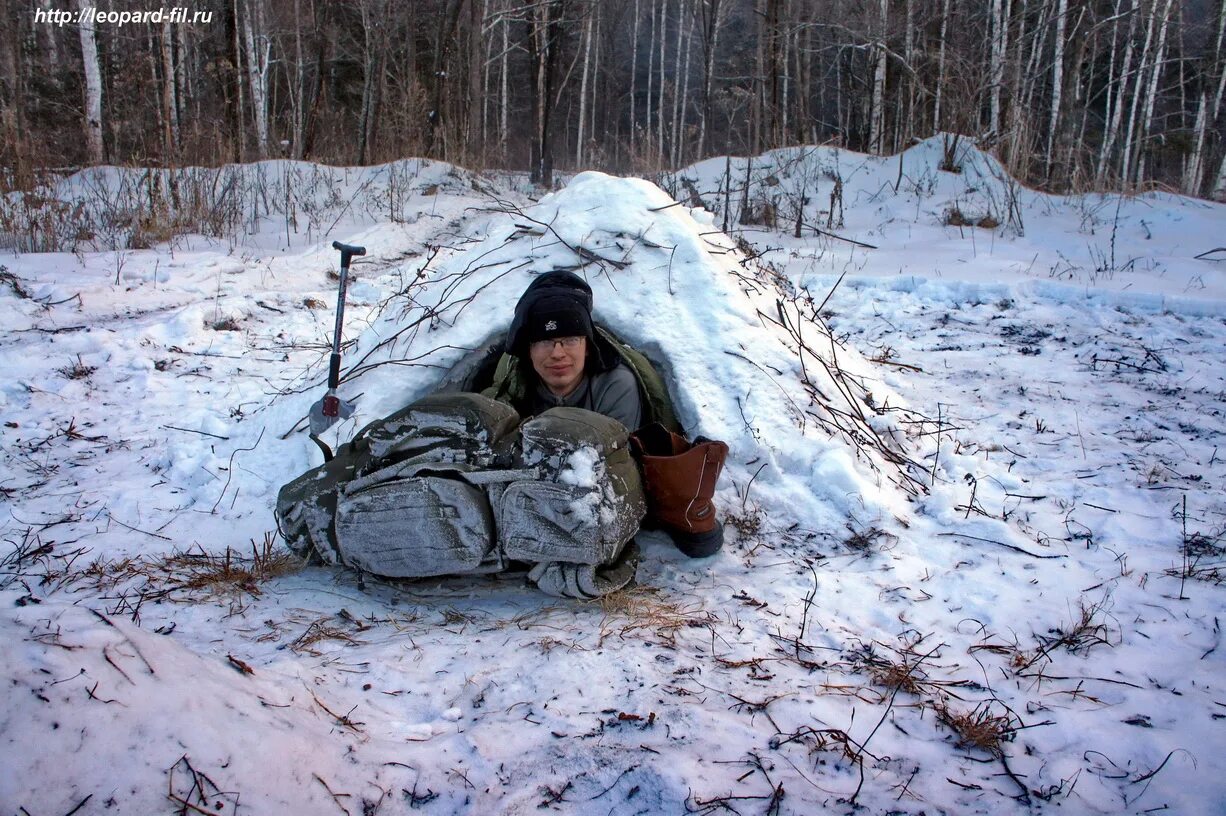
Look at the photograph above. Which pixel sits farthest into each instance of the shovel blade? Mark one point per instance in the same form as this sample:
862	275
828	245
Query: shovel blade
327	412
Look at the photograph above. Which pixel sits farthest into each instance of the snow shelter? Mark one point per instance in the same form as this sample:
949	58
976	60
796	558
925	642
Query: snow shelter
743	354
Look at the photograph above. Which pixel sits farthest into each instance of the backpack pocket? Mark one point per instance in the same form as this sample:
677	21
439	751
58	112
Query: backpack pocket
550	521
417	528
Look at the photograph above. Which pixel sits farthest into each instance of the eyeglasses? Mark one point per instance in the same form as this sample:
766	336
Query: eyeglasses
568	343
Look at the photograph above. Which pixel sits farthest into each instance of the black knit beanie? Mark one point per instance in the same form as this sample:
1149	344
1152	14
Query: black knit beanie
557	304
557	316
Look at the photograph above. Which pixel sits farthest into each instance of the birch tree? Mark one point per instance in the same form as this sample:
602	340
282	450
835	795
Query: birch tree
1133	112
170	103
940	86
258	48
93	86
877	111
1000	48
583	85
1151	93
1116	102
1207	112
1057	84
1150	69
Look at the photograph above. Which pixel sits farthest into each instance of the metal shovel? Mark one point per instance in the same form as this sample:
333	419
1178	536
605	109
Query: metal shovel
329	410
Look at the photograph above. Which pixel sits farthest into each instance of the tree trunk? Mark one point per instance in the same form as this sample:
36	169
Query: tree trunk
1151	93
544	45
678	85
876	134
936	105
13	97
711	21
184	83
322	46
1126	164
660	109
907	120
258	47
438	78
651	61
504	113
93	86
679	131
234	84
587	57
1057	84
1207	113
296	76
996	71
170	106
634	70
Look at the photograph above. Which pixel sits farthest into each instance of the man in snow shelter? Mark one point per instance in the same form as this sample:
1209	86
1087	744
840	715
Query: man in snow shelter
573	366
565	360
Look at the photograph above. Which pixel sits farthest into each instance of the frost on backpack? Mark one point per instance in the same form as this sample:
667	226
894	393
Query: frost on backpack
455	484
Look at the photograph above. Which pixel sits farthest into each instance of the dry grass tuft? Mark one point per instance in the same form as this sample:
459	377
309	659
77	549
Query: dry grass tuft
230	571
319	631
77	370
1080	636
865	540
1203	557
899	671
980	728
639	608
226	324
900	676
747	523
954	217
192	574
32	561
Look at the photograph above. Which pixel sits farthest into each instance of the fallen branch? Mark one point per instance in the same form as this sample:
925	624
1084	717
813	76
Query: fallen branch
189	430
829	234
336	797
999	544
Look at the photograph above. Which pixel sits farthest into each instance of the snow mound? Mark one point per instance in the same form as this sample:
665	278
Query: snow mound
748	359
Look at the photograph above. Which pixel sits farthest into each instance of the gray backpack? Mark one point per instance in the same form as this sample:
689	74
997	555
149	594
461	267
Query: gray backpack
455	484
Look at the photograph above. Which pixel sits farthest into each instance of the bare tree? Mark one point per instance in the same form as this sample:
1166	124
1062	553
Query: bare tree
1207	111
877	111
544	47
93	84
1057	83
170	102
258	48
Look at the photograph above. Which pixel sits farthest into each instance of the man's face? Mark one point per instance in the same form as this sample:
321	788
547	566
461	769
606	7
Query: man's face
559	363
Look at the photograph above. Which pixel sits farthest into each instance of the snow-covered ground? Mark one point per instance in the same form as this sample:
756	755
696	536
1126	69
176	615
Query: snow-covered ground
974	501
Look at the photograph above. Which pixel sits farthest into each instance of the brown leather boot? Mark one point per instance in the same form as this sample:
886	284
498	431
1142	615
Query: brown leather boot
679	479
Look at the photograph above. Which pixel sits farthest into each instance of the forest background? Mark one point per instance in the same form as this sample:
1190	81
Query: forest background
1072	95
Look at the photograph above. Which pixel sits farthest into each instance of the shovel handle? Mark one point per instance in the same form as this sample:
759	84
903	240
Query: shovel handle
348	251
334	371
334	365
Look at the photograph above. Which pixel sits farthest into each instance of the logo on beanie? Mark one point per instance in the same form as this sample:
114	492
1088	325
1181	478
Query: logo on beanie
552	325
